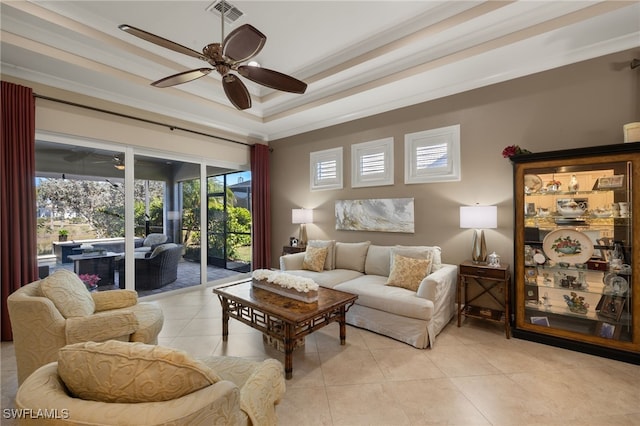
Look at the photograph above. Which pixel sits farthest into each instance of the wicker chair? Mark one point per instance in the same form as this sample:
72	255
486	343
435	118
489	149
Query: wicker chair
157	269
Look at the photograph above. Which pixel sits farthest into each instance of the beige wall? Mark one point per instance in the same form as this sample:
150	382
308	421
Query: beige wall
584	104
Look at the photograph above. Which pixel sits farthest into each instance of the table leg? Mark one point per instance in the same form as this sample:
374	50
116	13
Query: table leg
225	320
343	325
460	285
288	351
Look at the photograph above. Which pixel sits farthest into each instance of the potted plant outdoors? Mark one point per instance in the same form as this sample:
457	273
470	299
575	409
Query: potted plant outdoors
63	234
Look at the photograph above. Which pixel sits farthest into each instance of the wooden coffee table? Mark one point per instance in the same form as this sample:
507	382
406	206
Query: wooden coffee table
281	317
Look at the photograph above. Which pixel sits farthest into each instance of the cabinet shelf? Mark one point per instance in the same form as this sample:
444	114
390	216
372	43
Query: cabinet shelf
543	291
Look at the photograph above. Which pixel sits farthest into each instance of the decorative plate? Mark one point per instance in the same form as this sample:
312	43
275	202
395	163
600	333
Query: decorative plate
533	182
567	245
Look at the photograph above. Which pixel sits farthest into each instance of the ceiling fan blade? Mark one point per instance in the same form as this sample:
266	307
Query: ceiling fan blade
168	44
236	91
182	77
273	79
243	43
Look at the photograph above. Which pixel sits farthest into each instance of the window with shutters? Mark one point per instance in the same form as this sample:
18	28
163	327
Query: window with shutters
432	155
326	169
372	163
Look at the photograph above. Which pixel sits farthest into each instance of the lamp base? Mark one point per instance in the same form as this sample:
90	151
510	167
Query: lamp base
302	235
478	247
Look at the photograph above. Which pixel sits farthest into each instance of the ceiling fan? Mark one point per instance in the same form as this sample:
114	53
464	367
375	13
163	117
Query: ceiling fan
239	46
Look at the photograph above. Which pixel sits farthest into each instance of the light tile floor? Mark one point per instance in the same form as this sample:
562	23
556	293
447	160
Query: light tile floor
473	375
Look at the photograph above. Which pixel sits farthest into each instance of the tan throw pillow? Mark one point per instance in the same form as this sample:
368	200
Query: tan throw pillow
330	261
68	293
408	272
415	252
115	371
314	258
351	255
436	253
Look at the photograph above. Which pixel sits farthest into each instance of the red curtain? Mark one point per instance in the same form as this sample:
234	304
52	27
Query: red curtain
18	197
261	206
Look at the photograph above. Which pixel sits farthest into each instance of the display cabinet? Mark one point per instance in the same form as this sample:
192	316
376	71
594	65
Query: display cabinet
577	245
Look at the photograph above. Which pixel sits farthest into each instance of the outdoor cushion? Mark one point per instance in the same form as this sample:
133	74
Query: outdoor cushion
125	372
68	293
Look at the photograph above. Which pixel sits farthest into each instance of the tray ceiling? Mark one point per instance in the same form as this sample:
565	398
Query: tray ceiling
358	57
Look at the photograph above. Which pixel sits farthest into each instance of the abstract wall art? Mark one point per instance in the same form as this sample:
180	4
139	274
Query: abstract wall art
383	215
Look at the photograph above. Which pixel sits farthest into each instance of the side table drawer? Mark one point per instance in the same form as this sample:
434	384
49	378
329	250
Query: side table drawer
485	272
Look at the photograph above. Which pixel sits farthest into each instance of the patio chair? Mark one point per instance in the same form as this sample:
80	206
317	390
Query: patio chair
157	269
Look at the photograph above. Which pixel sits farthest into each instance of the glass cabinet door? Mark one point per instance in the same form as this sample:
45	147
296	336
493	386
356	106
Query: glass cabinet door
576	264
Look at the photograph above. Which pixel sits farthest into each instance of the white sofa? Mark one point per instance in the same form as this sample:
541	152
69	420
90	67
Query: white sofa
413	317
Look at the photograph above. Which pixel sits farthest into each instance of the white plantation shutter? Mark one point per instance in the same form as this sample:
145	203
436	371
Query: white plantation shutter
326	169
372	163
433	155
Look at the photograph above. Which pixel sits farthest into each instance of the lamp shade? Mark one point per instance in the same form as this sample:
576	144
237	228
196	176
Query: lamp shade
479	217
301	216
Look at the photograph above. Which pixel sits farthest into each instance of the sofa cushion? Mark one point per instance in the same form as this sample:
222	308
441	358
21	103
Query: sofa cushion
328	279
436	254
330	261
351	255
373	293
408	272
314	258
378	260
115	371
68	293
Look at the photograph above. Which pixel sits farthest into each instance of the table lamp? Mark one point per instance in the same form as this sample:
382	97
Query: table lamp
479	218
302	217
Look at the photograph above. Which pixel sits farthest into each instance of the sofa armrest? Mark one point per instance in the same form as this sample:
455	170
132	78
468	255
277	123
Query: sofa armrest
434	284
262	391
215	404
101	326
114	299
292	262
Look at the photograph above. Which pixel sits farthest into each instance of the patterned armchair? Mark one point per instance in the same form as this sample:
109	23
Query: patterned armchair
59	310
156	269
116	383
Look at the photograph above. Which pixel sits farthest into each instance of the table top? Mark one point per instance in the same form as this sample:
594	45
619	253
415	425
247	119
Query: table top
283	307
93	256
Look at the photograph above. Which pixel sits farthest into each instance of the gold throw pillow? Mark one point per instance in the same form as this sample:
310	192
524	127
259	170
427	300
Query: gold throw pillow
408	272
314	258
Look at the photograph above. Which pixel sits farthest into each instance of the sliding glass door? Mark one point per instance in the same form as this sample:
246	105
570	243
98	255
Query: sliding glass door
82	194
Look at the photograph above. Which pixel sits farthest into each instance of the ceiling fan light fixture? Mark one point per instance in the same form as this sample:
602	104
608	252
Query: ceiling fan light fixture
119	166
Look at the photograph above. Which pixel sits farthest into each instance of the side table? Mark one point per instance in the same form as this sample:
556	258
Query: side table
490	280
292	250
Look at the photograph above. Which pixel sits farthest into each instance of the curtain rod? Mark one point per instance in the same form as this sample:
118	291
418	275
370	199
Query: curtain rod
157	123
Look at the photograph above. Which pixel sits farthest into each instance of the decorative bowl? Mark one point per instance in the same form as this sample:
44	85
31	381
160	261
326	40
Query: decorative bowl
601	213
570	209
